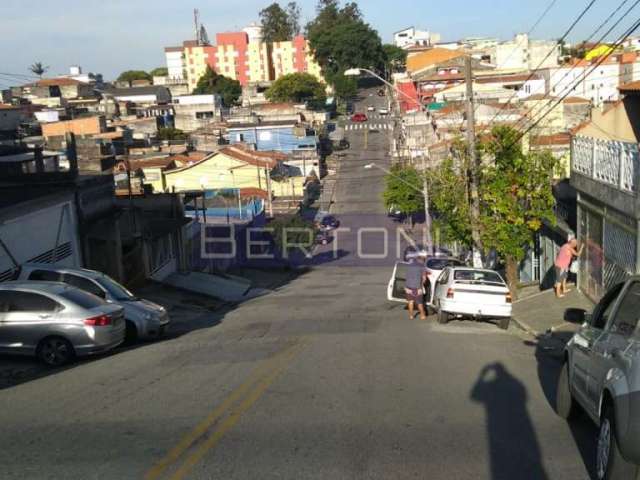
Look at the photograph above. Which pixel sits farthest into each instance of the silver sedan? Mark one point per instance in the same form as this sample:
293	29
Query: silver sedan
57	322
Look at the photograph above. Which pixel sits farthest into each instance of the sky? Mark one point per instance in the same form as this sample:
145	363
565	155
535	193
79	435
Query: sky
109	36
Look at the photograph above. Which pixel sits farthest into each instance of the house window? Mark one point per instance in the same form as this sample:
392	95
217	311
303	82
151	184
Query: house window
203	115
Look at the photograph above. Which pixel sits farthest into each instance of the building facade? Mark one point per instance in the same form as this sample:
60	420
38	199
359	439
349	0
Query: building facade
605	167
244	57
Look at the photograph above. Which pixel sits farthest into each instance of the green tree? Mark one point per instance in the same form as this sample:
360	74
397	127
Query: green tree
297	230
159	72
403	190
131	75
279	25
517	197
211	82
449	199
395	58
38	68
170	133
293	12
297	87
340	39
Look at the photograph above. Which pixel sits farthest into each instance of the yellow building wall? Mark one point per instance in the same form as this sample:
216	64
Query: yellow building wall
155	178
220	171
553	121
289	187
283	58
196	62
258	62
226	61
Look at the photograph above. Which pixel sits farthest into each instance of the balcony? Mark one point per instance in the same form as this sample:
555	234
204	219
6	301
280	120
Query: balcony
607	170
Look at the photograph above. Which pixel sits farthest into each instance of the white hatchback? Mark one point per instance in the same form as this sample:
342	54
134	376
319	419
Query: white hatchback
472	292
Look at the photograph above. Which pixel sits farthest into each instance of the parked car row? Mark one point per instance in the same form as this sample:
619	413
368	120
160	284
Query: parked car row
58	313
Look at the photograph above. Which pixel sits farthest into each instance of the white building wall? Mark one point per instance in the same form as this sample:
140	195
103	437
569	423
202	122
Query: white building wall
33	234
599	85
175	65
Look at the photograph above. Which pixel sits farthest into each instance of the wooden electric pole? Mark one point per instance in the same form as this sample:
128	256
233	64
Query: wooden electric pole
474	165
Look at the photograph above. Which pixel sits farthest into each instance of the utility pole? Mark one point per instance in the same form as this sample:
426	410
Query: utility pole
269	203
474	165
425	194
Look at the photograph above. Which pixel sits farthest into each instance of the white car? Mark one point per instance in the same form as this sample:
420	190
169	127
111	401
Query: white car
371	108
433	266
472	292
383	111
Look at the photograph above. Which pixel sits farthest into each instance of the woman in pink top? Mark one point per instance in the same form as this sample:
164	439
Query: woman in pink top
563	261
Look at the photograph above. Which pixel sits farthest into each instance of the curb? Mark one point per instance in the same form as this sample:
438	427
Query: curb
525	327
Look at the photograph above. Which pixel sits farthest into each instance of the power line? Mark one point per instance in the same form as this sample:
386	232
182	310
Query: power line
566	34
624	36
599	41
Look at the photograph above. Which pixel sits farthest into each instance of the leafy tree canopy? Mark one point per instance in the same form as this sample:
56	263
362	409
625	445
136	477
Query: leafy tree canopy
340	39
159	72
403	190
131	75
515	192
395	58
38	68
278	24
170	133
297	87
211	82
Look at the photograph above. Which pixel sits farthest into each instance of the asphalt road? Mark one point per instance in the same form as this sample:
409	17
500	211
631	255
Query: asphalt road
321	379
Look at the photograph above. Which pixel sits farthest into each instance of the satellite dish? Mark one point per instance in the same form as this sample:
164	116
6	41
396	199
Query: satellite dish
204	38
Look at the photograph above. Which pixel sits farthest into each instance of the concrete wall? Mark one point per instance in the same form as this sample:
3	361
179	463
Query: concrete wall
29	231
79	126
10	118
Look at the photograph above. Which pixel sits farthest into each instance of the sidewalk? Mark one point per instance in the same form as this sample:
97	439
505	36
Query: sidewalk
542	314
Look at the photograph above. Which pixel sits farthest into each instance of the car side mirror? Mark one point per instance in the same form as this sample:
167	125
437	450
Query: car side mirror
576	315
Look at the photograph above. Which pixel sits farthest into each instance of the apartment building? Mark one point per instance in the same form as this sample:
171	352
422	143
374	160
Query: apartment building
242	56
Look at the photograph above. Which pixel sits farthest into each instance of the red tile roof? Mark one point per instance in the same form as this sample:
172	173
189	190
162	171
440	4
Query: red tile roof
173	49
548	140
576	100
6	106
59	82
630	87
254	192
252	157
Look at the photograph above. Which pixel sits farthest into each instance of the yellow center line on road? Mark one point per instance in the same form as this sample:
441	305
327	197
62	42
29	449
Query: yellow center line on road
265	371
236	414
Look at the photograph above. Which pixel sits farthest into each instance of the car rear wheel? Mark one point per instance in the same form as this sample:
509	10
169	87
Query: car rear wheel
610	465
443	317
504	323
55	351
566	406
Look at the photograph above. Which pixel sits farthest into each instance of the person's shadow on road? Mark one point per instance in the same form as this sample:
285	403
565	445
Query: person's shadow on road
513	445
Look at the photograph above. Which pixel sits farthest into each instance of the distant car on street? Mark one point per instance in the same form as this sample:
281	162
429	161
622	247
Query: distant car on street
57	322
323	237
144	319
371	108
472	292
601	374
381	92
358	117
383	111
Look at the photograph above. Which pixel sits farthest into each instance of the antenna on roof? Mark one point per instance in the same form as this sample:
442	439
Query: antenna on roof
196	22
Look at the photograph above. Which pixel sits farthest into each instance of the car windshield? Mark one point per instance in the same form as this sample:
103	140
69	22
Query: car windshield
117	291
82	298
441	263
477	276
